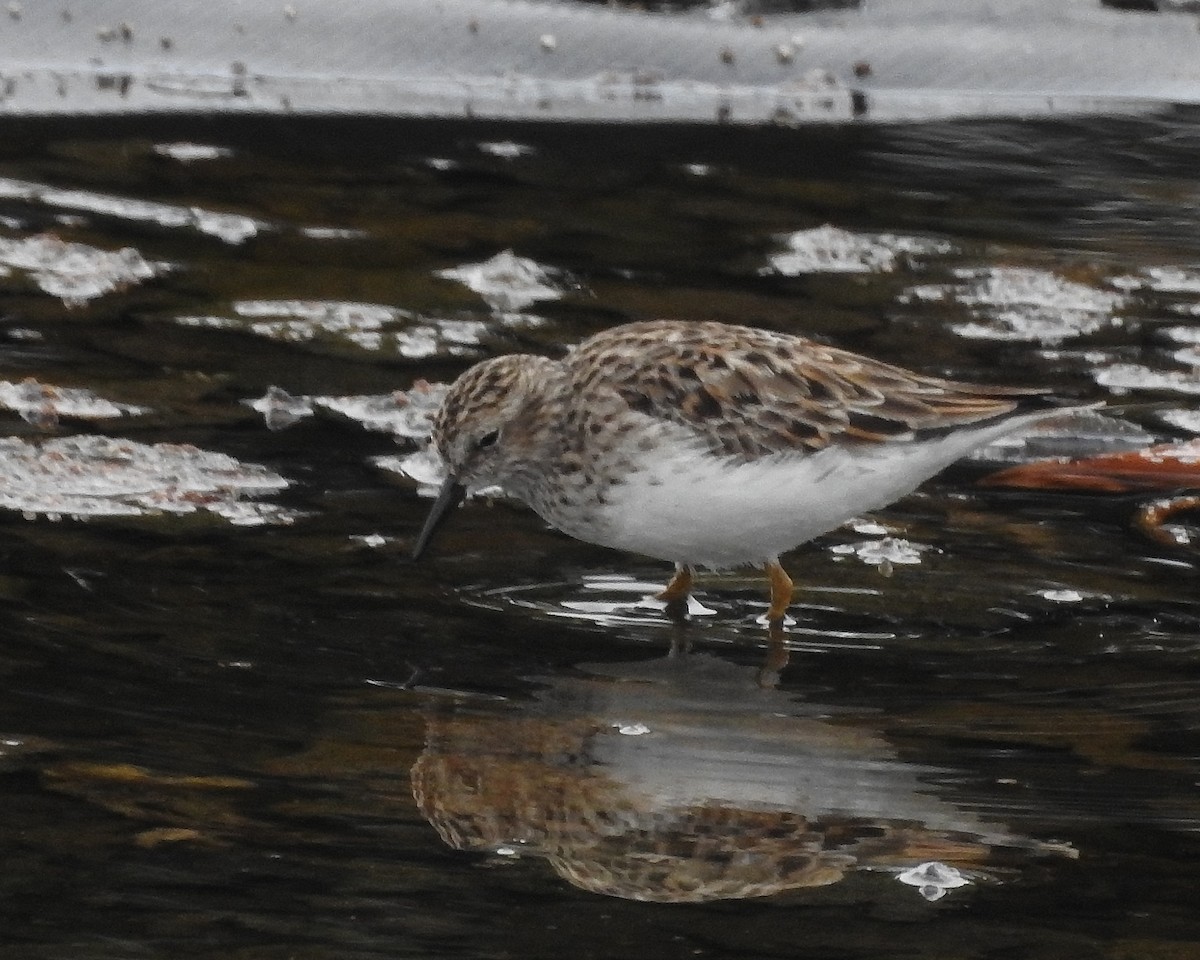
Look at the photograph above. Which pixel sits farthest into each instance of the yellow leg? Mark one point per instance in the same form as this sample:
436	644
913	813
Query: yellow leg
781	591
680	587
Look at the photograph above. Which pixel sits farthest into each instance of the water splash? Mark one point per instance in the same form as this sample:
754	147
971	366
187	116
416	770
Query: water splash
933	879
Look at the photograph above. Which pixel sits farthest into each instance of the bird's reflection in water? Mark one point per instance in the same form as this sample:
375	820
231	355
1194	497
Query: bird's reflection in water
683	780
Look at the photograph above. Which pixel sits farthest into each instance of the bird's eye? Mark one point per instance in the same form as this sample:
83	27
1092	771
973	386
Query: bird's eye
488	440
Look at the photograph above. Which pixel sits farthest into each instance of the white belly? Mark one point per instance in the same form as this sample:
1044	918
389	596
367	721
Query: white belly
693	508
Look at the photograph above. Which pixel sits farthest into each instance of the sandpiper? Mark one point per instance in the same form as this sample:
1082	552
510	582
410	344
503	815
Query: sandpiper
706	444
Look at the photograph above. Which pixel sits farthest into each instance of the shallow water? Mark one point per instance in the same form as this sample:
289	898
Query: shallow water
236	721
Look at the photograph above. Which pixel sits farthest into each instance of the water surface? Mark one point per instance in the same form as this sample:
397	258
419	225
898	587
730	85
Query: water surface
236	721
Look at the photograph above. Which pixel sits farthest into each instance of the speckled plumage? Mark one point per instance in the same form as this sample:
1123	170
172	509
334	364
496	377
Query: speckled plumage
704	443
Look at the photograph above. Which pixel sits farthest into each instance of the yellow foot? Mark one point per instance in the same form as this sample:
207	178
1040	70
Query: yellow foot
781	591
680	587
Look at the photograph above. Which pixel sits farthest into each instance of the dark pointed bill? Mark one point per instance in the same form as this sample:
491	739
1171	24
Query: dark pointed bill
449	496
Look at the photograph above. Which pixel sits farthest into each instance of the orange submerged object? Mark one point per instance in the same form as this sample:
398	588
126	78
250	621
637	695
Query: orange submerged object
1172	466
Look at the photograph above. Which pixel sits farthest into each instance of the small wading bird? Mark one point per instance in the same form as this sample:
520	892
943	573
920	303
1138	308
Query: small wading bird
707	445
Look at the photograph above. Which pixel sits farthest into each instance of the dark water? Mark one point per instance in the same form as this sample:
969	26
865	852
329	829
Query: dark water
271	739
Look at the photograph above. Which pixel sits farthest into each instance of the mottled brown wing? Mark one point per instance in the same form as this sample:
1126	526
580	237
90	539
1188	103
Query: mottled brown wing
751	393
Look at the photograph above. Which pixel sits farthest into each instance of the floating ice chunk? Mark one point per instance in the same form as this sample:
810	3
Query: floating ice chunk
186	152
232	228
208	322
1061	596
304	320
422	402
404	414
506	149
365	326
1123	377
1018	303
1188	420
506	282
631	729
1161	280
438	337
75	272
93	476
829	249
1186	309
515	320
1190	334
243	513
933	879
424	466
333	233
415	344
868	528
42	404
372	540
462	332
280	409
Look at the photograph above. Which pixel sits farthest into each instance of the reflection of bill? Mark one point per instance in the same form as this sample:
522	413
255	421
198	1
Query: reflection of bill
682	780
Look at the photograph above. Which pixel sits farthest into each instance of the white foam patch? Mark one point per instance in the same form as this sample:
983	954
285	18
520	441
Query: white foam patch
1019	303
75	272
829	249
96	476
